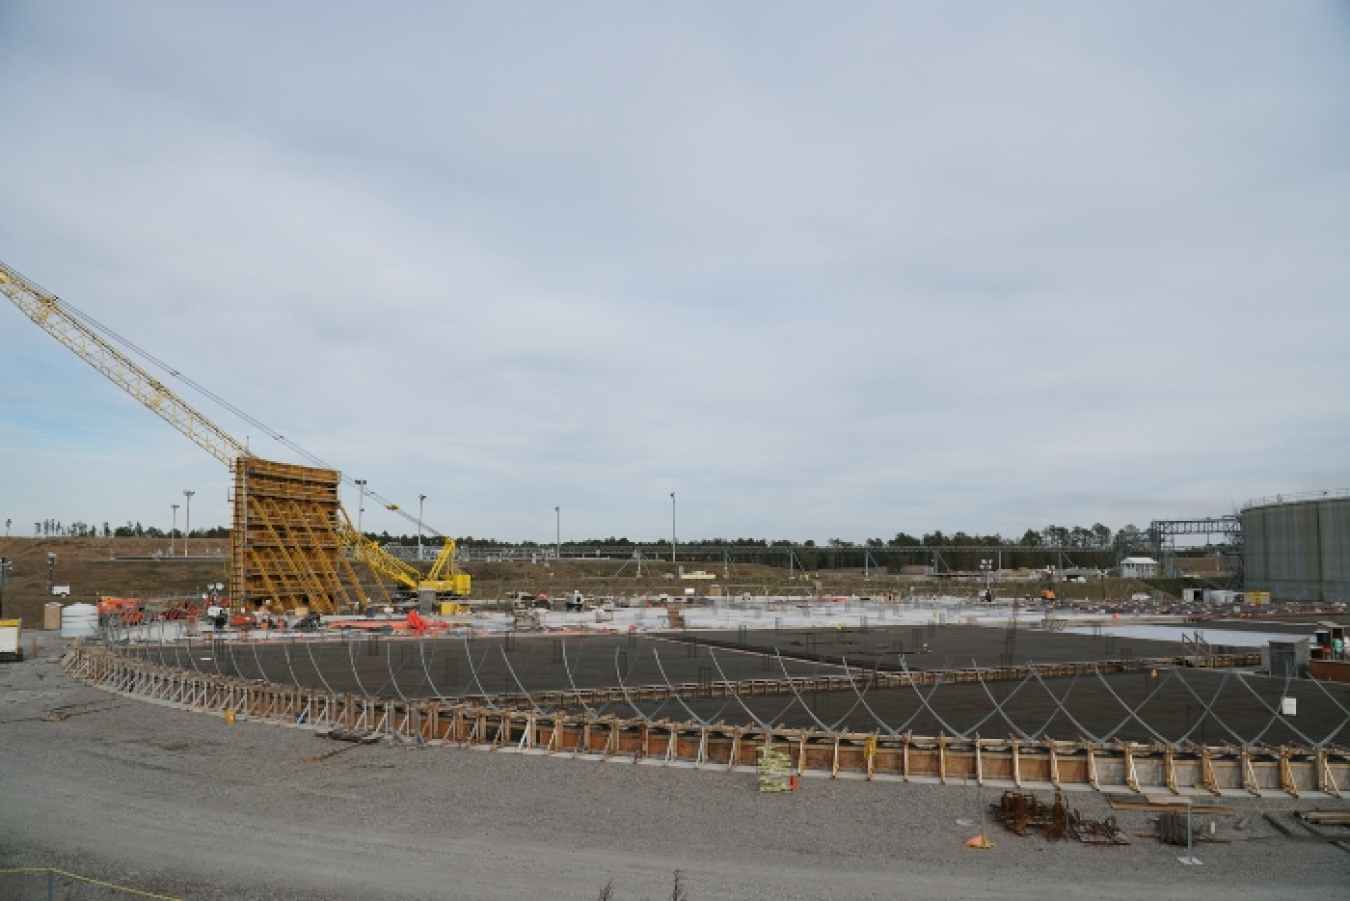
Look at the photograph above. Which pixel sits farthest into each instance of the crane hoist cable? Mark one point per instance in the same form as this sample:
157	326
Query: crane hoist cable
111	341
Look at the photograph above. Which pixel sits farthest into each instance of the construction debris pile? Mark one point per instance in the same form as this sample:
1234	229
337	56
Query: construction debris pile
1020	812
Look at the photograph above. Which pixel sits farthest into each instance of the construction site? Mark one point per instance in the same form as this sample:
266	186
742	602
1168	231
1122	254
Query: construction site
1086	703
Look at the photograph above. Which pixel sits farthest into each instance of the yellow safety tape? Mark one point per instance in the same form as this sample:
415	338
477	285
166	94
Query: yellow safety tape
68	875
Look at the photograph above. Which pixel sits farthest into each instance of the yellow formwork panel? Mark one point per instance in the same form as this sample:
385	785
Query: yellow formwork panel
285	548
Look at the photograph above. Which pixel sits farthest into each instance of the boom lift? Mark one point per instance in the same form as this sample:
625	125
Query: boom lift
290	533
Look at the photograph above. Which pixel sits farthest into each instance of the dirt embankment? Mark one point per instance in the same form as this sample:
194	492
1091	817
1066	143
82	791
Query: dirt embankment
93	567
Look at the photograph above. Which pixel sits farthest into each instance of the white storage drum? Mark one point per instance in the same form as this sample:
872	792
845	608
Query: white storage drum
79	621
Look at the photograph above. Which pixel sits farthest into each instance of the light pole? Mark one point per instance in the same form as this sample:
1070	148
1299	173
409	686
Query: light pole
8	523
557	539
187	521
5	563
672	527
174	531
51	571
360	504
986	566
421	499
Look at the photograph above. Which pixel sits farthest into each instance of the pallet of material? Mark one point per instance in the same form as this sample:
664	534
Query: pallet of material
1325	817
340	734
1163	803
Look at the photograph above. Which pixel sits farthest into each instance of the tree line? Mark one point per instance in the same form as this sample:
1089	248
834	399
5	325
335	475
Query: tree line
1095	546
55	528
1091	547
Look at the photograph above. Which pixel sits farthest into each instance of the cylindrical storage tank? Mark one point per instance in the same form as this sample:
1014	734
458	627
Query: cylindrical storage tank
79	621
1297	547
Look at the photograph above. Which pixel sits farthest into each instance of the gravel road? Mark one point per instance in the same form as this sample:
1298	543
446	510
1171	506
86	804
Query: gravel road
184	805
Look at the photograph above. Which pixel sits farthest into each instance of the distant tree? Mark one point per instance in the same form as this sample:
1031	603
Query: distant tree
1101	535
1131	537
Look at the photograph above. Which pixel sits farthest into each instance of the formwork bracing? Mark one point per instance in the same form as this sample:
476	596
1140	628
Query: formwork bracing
1253	767
285	548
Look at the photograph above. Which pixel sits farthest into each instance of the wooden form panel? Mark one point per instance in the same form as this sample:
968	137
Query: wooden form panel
284	545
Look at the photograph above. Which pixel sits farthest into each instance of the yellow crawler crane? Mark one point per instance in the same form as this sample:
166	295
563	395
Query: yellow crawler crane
443	578
290	535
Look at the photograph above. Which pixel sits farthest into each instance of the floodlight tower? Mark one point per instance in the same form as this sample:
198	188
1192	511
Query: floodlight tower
187	521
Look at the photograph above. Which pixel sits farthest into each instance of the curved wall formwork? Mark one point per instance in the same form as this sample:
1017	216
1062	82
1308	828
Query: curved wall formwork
1298	548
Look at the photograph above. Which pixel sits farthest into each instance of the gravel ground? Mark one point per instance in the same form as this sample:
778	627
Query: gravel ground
184	805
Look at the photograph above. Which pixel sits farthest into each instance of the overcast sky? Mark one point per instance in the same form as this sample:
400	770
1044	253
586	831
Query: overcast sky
823	271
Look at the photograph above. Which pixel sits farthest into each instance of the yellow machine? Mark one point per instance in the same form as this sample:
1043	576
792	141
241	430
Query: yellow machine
11	643
443	578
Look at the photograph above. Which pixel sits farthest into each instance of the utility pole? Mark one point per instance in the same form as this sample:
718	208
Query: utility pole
187	522
557	539
4	566
174	530
421	499
672	527
360	504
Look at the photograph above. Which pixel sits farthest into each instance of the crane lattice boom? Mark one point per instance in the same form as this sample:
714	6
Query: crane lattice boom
63	324
288	525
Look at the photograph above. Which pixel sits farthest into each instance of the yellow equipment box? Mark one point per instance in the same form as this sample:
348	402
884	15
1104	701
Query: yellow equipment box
10	648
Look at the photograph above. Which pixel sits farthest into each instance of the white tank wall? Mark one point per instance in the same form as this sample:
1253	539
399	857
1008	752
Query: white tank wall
79	621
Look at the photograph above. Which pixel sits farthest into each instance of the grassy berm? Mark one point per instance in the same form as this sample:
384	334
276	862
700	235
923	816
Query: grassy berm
94	567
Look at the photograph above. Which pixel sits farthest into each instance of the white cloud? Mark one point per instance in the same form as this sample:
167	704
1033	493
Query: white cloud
824	274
